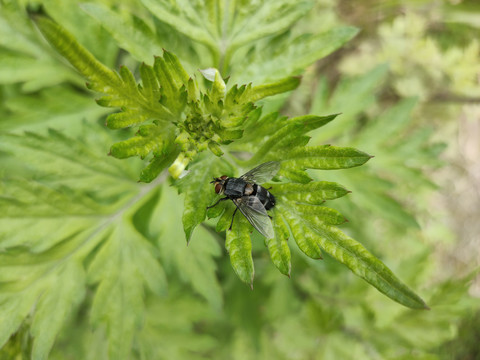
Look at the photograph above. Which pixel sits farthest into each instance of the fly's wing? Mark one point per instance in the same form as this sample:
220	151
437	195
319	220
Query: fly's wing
262	173
253	209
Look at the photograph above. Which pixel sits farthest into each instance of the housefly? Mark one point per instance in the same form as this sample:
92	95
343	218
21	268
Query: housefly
252	199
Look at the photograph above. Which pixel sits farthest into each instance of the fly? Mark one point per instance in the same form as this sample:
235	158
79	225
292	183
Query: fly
252	199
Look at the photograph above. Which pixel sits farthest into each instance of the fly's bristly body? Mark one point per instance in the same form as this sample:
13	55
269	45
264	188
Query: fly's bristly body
252	199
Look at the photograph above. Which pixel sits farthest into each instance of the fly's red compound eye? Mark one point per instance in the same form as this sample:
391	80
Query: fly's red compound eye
224	177
218	188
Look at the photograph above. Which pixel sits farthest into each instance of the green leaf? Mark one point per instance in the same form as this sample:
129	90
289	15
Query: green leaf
78	56
132	34
184	18
199	193
391	123
255	26
226	219
56	222
296	54
305	238
195	264
201	121
64	294
278	246
320	214
314	193
171	327
313	231
25	112
118	300
157	164
239	247
323	157
13	310
121	90
150	138
360	92
150	87
284	138
279	87
364	264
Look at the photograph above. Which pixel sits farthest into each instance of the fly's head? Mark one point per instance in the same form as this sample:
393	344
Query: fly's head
219	184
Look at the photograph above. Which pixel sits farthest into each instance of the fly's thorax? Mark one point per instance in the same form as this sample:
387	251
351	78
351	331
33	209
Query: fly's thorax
235	187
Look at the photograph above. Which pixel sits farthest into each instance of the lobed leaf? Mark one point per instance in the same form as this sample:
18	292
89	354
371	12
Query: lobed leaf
150	138
317	214
157	164
194	265
65	43
132	34
239	247
217	210
313	230
183	19
64	295
305	238
323	157
57	221
121	88
14	309
118	300
255	25
226	218
287	135
278	246
352	254
279	87
296	55
314	193
199	193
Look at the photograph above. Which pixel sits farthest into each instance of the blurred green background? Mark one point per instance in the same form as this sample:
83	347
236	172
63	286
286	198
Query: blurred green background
408	88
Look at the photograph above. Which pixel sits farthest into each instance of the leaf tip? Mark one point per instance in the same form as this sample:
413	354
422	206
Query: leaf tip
188	234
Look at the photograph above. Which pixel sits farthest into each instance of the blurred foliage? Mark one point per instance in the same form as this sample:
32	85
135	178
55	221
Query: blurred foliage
400	86
418	63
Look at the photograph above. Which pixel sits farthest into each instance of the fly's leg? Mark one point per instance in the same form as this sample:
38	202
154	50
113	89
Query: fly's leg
233	216
222	199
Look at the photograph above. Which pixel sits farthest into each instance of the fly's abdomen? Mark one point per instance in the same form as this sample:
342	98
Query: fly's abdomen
265	197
